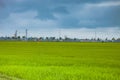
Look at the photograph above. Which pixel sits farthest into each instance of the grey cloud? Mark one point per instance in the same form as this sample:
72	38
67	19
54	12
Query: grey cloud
61	10
95	17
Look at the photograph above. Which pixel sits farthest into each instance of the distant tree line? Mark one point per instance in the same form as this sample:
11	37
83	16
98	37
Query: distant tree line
23	38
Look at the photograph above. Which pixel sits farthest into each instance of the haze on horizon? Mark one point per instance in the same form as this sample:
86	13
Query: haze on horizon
75	18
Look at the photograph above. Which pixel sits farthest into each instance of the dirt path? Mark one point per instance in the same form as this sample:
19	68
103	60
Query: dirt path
5	77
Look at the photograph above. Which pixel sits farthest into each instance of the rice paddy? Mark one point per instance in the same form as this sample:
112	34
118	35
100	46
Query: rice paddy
59	61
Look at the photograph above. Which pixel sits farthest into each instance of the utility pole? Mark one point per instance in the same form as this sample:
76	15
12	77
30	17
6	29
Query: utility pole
16	34
95	35
59	33
60	38
26	34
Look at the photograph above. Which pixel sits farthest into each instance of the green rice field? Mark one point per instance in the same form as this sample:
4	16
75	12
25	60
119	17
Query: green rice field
59	61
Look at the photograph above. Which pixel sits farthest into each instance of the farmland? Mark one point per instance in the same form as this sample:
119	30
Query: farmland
59	61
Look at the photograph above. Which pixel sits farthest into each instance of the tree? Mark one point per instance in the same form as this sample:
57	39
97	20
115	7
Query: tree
47	38
98	39
13	37
23	37
113	38
19	37
106	39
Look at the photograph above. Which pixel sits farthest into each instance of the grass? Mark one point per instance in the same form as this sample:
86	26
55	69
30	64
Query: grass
60	60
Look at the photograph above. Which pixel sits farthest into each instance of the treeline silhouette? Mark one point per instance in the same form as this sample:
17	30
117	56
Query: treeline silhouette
55	39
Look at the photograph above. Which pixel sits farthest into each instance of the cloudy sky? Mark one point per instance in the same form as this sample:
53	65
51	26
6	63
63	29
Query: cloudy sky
72	18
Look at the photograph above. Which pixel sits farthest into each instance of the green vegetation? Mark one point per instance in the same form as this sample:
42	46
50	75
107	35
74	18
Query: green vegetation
60	61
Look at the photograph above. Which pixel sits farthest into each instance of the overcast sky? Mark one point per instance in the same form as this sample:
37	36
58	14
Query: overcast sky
72	18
